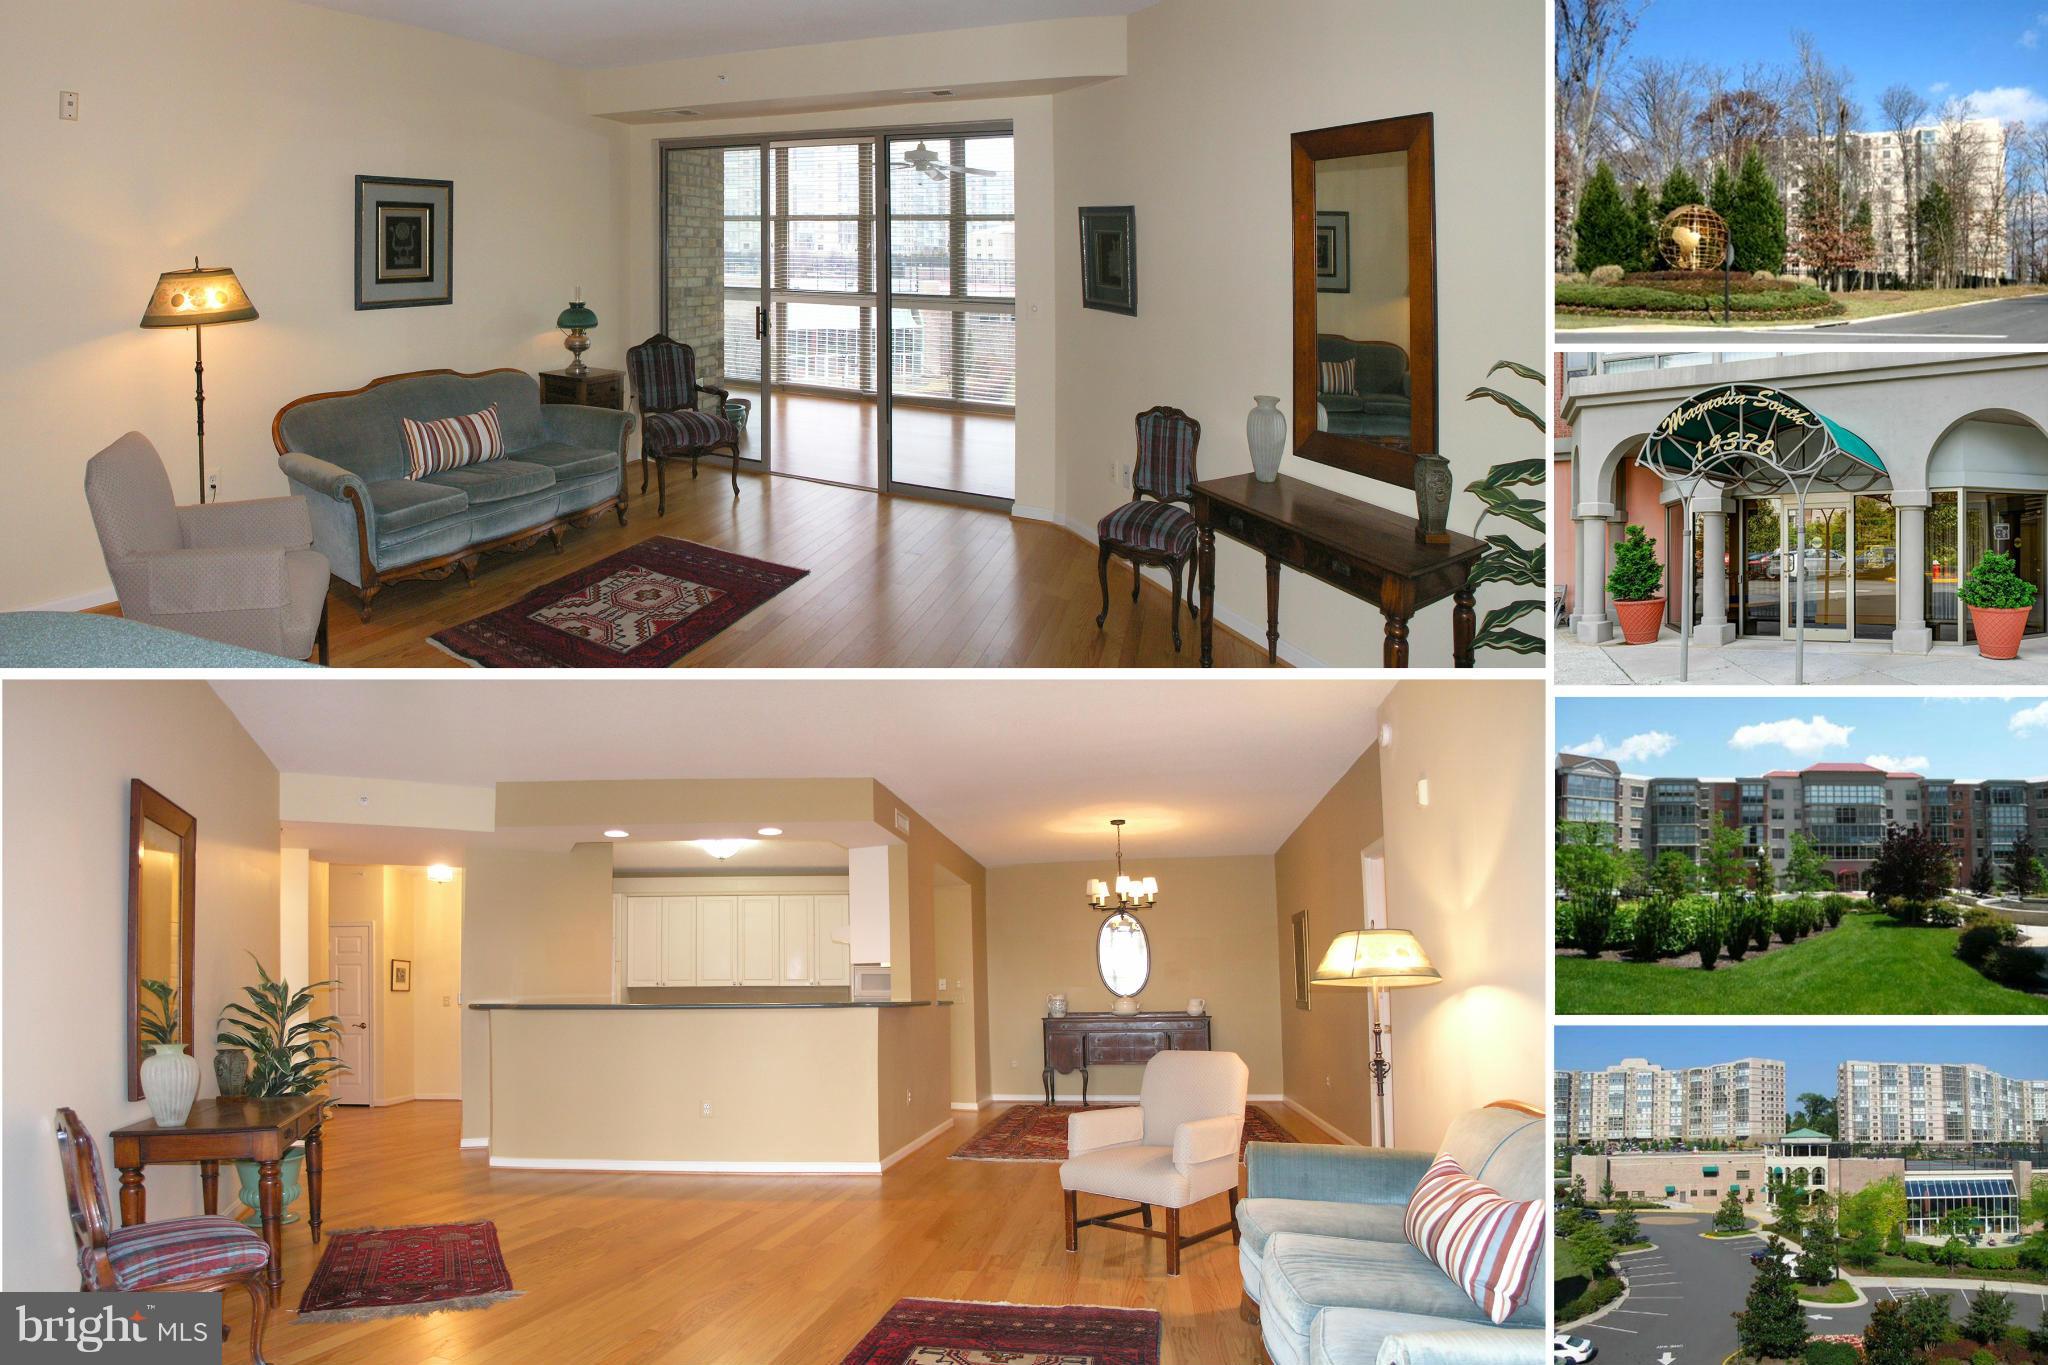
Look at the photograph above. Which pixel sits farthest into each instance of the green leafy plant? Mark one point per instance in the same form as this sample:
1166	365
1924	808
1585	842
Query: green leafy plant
1994	585
1506	561
288	1055
1636	575
158	1021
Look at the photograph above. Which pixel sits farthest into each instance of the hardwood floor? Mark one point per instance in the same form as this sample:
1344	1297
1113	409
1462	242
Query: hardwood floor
895	582
819	437
730	1270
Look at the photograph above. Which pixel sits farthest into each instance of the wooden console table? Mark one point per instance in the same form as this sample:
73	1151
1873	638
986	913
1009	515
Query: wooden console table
1353	546
1073	1042
220	1130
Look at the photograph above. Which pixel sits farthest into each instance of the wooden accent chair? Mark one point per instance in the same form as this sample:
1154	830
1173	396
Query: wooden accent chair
176	1255
1177	1148
1159	531
672	426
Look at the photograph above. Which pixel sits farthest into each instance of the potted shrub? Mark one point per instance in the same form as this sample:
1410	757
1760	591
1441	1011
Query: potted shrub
289	1055
1999	601
1636	583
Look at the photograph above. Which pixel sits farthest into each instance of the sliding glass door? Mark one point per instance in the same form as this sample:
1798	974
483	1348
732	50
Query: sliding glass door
714	204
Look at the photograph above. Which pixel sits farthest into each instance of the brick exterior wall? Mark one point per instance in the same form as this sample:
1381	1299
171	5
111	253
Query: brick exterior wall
695	269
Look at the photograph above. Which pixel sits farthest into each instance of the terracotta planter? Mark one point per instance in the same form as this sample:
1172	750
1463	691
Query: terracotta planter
1640	621
1999	630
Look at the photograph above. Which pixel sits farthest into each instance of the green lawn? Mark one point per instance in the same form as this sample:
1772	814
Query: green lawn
1841	1291
1870	965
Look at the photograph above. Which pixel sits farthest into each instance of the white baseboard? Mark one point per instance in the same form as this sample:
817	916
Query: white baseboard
1038	1096
457	1098
552	1163
395	1099
969	1108
915	1143
1332	1129
476	1142
97	597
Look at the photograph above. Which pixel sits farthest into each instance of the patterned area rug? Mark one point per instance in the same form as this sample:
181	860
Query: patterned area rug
406	1272
947	1332
1038	1132
645	607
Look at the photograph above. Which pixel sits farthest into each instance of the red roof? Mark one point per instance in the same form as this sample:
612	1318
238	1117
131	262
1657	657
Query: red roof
1843	768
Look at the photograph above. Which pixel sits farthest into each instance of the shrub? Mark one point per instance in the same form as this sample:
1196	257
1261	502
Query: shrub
1636	575
1591	923
1760	928
1794	281
1597	1295
1571	277
1836	906
2011	966
1977	944
1763	277
1990	1314
1644	299
1831	1353
1605	274
1707	939
1647	934
1993	584
1702	284
1942	915
1791	914
1980	1356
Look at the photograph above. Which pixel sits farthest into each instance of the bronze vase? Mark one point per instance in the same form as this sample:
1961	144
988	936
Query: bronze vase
231	1070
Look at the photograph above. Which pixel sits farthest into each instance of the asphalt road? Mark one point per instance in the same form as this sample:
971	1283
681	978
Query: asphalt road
2002	322
1684	1293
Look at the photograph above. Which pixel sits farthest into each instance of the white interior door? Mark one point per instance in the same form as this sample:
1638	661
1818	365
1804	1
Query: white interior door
679	941
718	941
759	958
835	959
352	962
643	940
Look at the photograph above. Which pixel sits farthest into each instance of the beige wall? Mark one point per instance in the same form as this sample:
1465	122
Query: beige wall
954	942
1196	137
933	858
234	129
70	749
1211	936
1319	870
1469	876
1373	190
436	987
913	1095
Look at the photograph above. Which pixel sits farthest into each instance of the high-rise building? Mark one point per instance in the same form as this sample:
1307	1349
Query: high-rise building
1967	157
1595	791
1953	1102
1637	1101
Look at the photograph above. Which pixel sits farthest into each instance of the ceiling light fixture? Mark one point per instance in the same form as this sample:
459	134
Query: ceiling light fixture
722	849
615	834
769	831
1129	893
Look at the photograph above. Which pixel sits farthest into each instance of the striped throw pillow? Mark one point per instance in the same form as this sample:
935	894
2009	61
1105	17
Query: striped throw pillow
452	442
1341	376
1484	1241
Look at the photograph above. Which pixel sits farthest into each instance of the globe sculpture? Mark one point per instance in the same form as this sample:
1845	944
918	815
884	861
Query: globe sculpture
1692	237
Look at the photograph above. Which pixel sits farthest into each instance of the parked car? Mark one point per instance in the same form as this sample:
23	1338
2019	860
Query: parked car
1576	1350
1790	1258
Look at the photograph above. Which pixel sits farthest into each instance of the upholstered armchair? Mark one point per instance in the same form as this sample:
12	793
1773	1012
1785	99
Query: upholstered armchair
1159	531
177	1255
672	426
239	573
1177	1148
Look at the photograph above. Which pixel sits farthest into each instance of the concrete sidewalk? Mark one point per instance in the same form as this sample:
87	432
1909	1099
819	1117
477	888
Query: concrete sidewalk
1750	661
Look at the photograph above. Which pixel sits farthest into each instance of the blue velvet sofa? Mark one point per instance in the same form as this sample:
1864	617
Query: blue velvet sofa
1331	1276
345	454
1381	404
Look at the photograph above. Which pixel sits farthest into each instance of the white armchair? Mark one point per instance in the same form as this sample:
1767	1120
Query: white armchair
1177	1148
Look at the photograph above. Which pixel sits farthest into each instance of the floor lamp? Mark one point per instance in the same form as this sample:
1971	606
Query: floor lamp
198	298
1379	960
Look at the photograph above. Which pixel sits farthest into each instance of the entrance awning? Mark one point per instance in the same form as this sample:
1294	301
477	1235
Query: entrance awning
1750	439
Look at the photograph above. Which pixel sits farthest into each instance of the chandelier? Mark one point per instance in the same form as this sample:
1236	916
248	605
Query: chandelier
1129	893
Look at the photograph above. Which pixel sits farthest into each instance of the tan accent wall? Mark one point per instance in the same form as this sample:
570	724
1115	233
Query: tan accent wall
1211	936
1318	870
912	1089
1469	876
929	850
70	749
535	926
954	944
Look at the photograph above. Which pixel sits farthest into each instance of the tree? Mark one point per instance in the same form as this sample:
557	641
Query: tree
1727	864
1816	1111
1963	1221
1679	189
1673	875
1589	873
1862	1249
1756	218
1607	1189
1830	244
1818	1253
1985	878
1912	870
1787	1199
1936	228
1591	35
1990	1314
1575	1195
1606	231
2037	1339
2035	1209
1642	209
1627	1231
2024	878
1888	1340
1729	1217
1878	1209
1927	1319
1952	1252
1805	869
1592	1248
1904	110
1772	1322
2033	1253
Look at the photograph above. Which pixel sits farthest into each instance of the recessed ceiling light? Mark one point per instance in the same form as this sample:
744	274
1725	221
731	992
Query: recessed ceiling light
615	834
722	849
769	831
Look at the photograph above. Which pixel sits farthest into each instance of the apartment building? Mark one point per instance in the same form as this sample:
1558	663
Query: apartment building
1596	791
1892	170
1635	1100
1905	1102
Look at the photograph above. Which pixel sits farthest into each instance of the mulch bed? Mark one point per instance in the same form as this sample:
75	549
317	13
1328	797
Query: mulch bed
1689	959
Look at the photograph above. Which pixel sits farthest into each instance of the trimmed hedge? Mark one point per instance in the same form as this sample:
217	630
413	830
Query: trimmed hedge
1831	1353
1626	298
1598	1295
1698	282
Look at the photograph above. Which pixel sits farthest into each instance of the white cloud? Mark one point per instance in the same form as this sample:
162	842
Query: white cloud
1634	749
2031	38
2009	104
1938	88
1892	763
2029	720
1805	738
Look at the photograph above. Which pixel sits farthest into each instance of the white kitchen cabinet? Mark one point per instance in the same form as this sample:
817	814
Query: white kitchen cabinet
718	941
798	950
759	930
679	941
834	959
643	940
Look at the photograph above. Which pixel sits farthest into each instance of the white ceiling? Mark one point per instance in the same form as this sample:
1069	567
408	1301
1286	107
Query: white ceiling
601	33
1012	769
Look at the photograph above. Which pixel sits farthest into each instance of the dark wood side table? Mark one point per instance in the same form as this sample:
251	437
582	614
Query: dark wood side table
220	1130
1074	1042
598	389
1355	547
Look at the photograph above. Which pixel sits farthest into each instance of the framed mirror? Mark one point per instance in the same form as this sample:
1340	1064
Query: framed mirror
1123	955
1365	395
162	846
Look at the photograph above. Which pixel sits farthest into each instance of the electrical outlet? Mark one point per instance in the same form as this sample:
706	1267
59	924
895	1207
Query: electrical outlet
1013	1063
67	105
446	1001
906	1097
707	1109
1326	1086
213	488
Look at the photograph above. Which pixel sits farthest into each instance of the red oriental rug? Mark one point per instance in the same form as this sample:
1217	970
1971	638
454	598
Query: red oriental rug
1038	1132
406	1272
644	607
947	1332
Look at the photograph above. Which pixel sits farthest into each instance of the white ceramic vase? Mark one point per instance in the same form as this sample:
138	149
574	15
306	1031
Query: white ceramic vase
1125	1004
170	1082
1265	431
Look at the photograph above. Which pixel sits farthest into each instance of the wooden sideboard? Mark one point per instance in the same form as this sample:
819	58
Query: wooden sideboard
1075	1042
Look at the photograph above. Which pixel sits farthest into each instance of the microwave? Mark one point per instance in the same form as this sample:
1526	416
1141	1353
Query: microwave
870	982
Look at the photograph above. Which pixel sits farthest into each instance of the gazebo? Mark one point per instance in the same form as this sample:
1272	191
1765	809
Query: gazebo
1746	440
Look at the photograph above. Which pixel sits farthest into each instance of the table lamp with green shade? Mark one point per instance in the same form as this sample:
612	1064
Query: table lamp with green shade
576	322
198	298
1379	960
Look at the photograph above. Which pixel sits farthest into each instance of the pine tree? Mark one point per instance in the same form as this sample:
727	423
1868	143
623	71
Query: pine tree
1627	1231
1888	1340
1729	1218
1605	231
1927	1319
1679	190
1636	575
1643	209
1756	218
1990	1314
1721	199
1818	1252
1772	1322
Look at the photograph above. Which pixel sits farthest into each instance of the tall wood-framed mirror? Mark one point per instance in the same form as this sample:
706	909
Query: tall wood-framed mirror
163	844
1365	365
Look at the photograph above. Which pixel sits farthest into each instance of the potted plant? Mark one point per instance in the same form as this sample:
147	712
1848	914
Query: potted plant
1999	601
289	1055
1636	584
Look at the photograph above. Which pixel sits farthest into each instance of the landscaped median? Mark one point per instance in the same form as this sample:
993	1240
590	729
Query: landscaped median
1691	297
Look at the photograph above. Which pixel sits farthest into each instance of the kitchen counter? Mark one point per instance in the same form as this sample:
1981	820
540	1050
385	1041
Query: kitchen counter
706	1005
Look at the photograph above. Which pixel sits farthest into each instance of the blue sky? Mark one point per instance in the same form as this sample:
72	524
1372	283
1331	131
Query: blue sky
1809	1053
1996	50
1964	738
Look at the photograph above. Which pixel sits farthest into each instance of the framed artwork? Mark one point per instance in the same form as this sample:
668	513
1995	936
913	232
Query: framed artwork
401	974
405	242
1300	959
1109	259
1333	253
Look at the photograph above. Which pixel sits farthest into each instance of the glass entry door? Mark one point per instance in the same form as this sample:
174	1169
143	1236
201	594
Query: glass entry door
1840	568
2009	524
1821	580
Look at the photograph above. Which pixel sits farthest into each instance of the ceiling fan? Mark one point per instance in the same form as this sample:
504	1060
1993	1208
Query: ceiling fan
926	162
